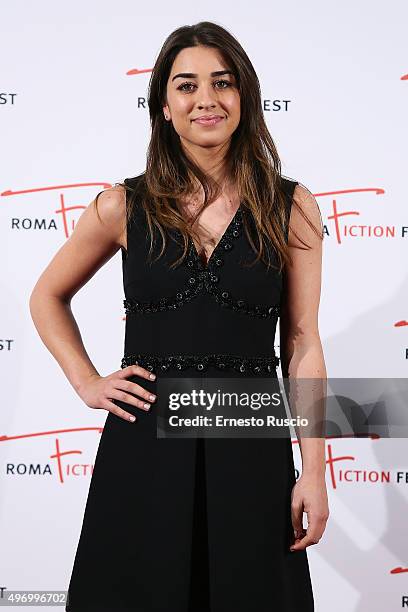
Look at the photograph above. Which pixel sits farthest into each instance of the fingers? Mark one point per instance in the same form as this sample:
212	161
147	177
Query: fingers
127	416
297	517
127	398
306	540
135	389
136	370
120	385
313	534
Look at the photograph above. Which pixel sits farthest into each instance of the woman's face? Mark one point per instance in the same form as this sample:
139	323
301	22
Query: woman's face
194	91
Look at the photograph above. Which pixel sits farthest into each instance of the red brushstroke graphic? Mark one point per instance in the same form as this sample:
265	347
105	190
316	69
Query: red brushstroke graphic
63	210
49	433
67	469
336	215
137	71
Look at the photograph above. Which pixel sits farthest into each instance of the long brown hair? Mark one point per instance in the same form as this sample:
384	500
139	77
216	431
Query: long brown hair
252	161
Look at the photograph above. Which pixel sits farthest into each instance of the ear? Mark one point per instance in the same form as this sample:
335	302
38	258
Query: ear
166	112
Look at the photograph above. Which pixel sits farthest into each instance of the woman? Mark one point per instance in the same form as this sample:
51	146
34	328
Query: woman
209	266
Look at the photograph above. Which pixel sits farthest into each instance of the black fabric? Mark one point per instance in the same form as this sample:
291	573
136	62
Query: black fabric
199	600
194	524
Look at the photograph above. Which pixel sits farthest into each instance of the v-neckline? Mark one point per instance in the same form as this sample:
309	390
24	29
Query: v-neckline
215	249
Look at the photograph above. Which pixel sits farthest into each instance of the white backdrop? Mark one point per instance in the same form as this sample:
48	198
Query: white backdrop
74	119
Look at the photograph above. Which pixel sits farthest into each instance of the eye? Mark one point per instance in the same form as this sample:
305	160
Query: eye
182	86
189	86
227	83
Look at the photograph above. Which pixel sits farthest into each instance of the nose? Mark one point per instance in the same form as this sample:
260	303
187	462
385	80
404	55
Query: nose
206	97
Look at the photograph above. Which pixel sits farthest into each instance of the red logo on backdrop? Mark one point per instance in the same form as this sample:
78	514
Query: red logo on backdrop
343	469
68	213
346	222
64	467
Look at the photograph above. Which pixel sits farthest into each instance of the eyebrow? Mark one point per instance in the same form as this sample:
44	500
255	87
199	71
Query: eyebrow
191	75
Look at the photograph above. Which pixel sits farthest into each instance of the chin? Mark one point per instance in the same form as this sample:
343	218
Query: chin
211	142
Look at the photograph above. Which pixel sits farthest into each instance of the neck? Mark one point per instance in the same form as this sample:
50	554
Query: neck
211	160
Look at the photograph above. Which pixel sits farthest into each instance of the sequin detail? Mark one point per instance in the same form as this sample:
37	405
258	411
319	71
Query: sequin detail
207	277
163	363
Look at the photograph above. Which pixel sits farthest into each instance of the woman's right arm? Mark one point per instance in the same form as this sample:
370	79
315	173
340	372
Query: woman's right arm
93	242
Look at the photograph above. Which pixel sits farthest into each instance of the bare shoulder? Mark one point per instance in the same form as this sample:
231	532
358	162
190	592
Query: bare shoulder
305	218
305	200
110	206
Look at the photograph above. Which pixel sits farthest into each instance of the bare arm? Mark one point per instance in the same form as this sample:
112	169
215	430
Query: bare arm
88	248
93	242
300	345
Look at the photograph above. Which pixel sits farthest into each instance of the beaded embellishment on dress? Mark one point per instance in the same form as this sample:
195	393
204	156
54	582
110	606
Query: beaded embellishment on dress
222	361
206	277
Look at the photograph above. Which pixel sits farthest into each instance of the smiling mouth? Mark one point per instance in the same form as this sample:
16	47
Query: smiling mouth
208	121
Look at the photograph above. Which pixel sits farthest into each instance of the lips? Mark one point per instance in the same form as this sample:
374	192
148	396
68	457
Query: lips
208	120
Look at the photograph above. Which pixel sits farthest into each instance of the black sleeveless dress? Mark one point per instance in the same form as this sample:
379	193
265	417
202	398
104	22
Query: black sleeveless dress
192	524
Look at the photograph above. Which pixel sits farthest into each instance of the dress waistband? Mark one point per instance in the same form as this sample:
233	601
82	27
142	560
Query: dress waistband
222	361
